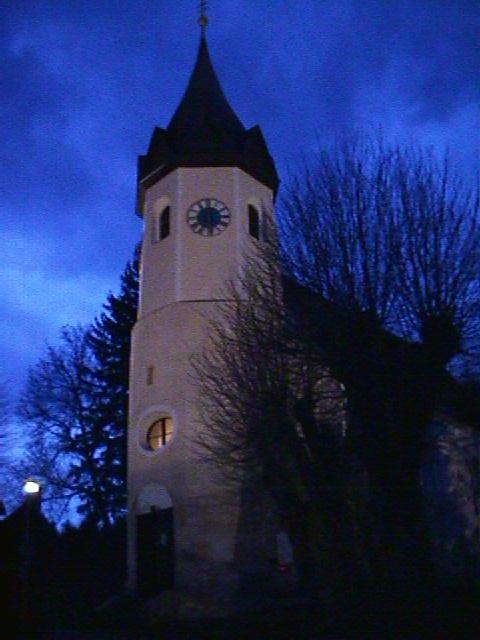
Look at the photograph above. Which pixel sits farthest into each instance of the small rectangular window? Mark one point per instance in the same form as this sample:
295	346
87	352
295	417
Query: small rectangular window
165	223
150	374
253	222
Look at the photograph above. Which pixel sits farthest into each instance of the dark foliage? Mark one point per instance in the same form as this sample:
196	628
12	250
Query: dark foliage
54	582
382	250
75	409
391	234
92	568
274	416
109	340
5	435
386	245
63	440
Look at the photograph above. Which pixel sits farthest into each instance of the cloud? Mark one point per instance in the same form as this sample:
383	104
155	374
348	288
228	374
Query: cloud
37	302
83	84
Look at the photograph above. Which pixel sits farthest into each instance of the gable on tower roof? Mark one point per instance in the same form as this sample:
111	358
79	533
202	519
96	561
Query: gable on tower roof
205	132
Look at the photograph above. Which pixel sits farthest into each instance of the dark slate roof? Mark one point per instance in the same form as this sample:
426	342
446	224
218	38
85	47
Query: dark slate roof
205	132
204	110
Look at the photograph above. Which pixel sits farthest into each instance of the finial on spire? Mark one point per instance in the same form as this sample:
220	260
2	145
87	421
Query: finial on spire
203	20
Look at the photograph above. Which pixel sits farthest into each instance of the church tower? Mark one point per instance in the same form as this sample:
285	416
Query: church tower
202	187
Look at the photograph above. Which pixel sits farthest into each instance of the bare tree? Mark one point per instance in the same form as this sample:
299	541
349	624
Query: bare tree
391	233
8	483
74	409
57	410
337	228
389	239
381	246
437	256
272	415
4	420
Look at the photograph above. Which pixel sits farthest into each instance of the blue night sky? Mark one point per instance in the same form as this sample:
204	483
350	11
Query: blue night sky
84	82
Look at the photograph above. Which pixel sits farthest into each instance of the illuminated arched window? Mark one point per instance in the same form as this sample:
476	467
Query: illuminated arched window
160	433
253	222
165	223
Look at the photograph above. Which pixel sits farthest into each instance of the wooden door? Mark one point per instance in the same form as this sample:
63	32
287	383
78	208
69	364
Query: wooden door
155	551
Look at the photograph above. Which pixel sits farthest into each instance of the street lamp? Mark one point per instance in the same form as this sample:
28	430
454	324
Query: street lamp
32	491
31	487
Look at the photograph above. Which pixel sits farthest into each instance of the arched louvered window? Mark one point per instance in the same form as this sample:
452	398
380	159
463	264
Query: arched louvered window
253	222
165	223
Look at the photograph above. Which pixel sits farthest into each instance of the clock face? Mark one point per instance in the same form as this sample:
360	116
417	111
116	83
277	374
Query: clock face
208	217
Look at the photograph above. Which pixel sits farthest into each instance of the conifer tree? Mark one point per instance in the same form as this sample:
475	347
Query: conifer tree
109	339
75	410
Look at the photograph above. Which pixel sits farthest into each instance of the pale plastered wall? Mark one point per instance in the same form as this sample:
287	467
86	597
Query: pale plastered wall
182	278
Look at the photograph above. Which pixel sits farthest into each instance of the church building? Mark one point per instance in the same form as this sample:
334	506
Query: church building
202	187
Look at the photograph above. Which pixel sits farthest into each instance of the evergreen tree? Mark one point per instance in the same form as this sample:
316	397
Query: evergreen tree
75	409
109	339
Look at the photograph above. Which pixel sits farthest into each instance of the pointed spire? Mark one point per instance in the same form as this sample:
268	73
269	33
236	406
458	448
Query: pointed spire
204	116
203	20
205	132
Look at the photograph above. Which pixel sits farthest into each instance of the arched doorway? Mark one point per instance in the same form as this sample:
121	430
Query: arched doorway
155	540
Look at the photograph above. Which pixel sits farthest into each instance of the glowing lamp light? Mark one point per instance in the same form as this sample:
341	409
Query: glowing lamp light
31	487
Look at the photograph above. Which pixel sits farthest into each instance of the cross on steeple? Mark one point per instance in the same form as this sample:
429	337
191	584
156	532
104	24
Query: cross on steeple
203	20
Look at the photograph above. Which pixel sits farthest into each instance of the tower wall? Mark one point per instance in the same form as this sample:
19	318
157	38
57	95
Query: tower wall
182	279
185	265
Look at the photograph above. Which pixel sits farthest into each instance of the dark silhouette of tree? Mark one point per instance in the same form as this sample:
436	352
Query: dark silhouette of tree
9	484
381	247
4	420
389	240
75	410
109	340
391	234
64	443
273	416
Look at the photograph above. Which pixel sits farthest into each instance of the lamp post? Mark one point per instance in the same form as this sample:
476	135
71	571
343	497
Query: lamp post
32	490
